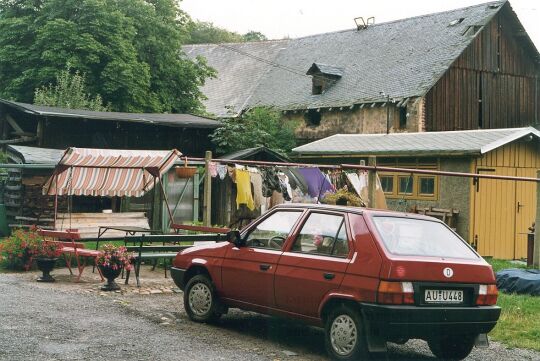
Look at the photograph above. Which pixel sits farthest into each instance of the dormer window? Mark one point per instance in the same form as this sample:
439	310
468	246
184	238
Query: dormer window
323	77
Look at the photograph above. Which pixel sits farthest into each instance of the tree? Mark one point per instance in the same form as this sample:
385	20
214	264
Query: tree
201	32
129	51
254	36
68	92
257	127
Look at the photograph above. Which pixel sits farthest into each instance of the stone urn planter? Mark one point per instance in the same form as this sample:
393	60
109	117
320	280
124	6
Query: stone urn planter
45	265
110	274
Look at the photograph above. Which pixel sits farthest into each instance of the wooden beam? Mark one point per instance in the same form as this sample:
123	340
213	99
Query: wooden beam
19	140
207	200
536	251
372	181
14	124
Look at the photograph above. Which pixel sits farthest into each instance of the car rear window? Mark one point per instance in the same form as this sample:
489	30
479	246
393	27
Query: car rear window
418	237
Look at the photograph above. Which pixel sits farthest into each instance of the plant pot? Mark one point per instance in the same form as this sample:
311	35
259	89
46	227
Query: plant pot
185	172
45	265
110	274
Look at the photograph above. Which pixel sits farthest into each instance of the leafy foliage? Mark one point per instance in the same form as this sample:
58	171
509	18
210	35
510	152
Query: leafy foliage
257	127
68	92
18	249
201	32
129	51
115	257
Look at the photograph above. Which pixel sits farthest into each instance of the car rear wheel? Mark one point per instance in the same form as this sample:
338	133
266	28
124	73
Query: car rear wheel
452	347
200	300
344	334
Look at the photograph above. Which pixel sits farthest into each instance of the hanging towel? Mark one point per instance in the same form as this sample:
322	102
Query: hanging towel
222	171
318	184
270	181
243	189
355	182
285	186
256	181
212	169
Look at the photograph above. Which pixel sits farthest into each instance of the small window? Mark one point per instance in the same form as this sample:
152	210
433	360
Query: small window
323	234
406	185
403	118
313	117
273	231
427	186
387	183
317	89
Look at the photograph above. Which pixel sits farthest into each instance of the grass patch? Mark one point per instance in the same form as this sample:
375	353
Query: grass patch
519	324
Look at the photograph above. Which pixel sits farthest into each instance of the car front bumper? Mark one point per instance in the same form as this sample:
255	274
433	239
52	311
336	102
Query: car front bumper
178	276
423	322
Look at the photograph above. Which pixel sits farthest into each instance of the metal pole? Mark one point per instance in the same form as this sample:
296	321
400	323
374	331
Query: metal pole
372	181
207	201
536	252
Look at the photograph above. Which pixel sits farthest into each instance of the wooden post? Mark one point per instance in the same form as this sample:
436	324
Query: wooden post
372	181
196	184
207	201
536	252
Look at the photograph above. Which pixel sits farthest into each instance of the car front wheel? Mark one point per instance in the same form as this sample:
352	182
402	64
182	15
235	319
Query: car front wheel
200	300
452	347
344	333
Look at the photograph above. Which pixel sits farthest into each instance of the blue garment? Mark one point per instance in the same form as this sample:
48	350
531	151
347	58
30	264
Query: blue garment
317	183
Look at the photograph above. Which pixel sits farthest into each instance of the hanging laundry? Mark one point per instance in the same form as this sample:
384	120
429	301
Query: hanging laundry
256	181
243	189
270	181
355	182
212	169
232	172
318	184
285	186
296	180
276	198
222	171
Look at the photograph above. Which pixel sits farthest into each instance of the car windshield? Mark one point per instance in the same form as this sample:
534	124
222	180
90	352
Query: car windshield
418	237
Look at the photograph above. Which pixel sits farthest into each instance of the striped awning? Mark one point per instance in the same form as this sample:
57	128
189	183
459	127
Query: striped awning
109	172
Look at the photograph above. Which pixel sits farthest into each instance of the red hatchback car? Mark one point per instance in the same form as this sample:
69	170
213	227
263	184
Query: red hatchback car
366	276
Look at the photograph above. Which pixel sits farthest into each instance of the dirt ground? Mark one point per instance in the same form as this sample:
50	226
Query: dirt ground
247	333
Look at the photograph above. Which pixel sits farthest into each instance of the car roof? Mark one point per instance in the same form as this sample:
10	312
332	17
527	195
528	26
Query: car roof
351	209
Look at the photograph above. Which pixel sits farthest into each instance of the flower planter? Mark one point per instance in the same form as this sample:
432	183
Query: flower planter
45	265
110	274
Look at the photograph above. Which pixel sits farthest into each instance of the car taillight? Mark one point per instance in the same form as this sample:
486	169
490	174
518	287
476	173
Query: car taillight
487	295
395	293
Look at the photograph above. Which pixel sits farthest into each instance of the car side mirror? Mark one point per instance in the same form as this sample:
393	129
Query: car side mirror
235	238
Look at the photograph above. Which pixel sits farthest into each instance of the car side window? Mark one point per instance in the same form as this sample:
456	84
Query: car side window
323	234
273	231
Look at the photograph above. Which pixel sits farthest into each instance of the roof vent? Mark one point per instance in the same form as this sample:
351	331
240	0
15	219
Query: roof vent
323	77
363	24
456	21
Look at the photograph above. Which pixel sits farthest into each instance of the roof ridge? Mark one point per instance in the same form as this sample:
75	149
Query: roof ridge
239	43
500	2
436	132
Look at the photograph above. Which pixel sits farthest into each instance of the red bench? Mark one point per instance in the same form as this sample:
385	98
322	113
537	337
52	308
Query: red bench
72	249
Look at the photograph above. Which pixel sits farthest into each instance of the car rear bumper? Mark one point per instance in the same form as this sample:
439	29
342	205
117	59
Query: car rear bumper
178	275
424	322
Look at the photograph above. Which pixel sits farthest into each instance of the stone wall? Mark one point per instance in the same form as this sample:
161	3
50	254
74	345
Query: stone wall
366	120
454	192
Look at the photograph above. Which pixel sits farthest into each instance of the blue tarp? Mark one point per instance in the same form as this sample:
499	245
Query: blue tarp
519	281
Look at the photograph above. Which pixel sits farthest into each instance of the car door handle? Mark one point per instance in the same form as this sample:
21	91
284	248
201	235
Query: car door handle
264	267
329	276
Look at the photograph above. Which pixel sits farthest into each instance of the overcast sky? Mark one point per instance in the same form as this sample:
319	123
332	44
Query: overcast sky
280	18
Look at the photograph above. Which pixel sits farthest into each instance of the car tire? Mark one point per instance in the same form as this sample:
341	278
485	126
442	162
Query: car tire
452	347
345	338
200	301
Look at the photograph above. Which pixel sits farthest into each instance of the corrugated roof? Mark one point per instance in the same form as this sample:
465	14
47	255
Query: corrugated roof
171	120
405	144
403	59
35	155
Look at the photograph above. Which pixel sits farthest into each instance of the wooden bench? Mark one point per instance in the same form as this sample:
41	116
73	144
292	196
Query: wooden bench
72	249
166	247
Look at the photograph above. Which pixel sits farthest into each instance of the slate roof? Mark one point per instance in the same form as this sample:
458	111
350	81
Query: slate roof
403	58
171	120
466	142
34	155
325	69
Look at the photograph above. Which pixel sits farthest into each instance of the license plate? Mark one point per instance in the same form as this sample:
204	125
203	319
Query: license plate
443	296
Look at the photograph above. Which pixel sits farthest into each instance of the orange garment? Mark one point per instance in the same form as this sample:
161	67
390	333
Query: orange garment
243	189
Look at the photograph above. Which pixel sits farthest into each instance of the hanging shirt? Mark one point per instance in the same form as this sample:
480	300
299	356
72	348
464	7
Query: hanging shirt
243	189
212	169
317	182
222	171
256	181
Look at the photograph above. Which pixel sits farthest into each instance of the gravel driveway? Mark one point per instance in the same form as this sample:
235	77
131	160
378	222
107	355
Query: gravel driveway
63	321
